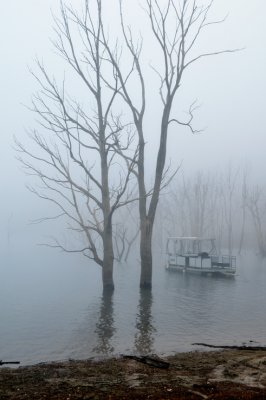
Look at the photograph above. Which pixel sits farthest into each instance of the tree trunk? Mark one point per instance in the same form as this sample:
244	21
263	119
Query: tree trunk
108	251
108	260
146	254
107	276
147	220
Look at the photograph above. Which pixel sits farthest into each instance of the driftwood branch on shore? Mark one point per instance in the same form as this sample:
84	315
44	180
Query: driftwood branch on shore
151	361
9	362
243	347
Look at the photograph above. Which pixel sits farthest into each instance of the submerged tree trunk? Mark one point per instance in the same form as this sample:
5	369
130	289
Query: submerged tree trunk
108	259
146	254
107	275
147	221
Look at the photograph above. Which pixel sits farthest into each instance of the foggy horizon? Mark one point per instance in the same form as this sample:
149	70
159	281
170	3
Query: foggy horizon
229	87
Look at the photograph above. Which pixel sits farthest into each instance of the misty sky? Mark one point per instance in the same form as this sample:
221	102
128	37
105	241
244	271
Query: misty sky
230	88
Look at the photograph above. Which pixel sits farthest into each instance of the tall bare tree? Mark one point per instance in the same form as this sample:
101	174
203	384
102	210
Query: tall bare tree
176	27
76	154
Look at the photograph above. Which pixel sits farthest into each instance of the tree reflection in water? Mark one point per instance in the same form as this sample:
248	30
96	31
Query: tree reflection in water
144	337
105	326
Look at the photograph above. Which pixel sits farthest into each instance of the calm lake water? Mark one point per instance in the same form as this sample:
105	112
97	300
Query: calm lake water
52	308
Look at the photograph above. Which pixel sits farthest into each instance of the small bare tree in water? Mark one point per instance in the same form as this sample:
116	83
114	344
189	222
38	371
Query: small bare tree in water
176	27
76	153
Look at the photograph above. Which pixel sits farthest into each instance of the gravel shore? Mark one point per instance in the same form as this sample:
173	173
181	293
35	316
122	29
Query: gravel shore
228	374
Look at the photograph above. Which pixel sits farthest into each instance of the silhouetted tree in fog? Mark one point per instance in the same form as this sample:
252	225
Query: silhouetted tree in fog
176	27
75	153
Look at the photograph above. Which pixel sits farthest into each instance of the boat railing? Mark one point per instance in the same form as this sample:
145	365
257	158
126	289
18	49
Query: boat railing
217	261
224	261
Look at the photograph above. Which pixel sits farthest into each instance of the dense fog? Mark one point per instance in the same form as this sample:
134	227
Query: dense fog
230	89
214	186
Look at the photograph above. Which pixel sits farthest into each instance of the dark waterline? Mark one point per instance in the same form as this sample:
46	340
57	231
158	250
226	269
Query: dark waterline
52	308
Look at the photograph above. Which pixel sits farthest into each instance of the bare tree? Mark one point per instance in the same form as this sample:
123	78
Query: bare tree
228	191
176	28
76	155
244	198
191	209
196	193
257	206
126	232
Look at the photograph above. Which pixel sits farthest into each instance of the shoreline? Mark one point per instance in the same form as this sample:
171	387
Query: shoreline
213	374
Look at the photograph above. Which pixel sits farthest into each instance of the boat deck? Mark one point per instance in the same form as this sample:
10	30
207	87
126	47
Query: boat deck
202	264
198	255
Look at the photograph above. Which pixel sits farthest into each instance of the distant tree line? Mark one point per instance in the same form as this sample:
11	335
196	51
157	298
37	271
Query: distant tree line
226	205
